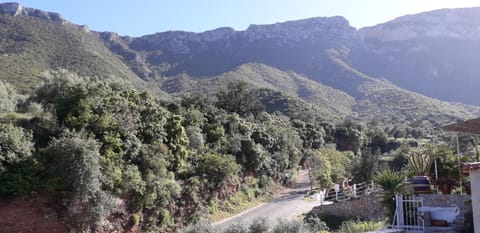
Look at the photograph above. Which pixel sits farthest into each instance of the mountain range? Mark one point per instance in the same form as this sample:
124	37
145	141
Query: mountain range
415	68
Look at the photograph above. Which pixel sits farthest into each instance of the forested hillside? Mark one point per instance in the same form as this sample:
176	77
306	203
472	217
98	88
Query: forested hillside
100	143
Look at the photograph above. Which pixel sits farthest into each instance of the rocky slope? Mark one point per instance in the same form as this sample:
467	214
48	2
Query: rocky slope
301	46
446	23
15	9
323	49
433	53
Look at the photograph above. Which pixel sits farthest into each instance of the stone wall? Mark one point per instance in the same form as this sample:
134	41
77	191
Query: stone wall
370	207
365	208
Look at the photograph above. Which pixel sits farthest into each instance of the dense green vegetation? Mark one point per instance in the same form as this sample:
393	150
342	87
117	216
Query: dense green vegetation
397	112
98	141
172	162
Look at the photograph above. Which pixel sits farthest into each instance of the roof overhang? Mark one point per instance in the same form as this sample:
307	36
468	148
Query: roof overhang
470	126
468	167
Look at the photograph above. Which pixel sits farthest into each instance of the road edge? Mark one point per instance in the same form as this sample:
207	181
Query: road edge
237	215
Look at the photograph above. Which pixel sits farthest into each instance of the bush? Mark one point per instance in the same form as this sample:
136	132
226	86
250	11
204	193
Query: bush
237	227
20	180
73	161
15	146
200	227
259	225
391	183
331	221
316	224
8	97
352	226
17	166
292	226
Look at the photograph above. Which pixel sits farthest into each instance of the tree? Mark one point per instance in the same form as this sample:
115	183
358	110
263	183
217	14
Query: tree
8	97
217	168
177	141
367	159
195	138
15	146
326	165
74	158
319	171
239	99
73	161
349	136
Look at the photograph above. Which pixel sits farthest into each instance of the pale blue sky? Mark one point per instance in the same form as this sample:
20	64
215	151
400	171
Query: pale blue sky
140	17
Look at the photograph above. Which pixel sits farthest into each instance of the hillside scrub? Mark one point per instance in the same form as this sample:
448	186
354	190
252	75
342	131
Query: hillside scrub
100	143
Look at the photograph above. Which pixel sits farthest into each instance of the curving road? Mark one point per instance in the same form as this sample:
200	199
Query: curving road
287	205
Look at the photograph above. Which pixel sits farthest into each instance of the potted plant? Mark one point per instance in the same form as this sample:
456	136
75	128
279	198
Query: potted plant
419	162
447	170
445	184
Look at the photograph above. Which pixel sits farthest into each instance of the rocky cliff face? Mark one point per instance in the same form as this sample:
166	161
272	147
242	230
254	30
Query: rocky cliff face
314	30
434	53
310	30
16	9
445	23
299	45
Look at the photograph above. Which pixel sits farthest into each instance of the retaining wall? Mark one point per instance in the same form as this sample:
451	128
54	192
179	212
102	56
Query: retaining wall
365	208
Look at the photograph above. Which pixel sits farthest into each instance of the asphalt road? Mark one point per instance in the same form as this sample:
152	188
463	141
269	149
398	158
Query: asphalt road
287	205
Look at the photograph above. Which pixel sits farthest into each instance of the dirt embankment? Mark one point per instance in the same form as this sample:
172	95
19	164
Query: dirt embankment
32	214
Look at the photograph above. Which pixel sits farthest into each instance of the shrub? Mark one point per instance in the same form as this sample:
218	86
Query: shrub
259	225
237	227
352	226
73	161
316	224
391	183
8	97
332	221
20	179
292	226
17	166
200	227
15	146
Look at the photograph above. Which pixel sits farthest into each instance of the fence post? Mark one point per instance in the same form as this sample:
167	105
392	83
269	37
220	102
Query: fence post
322	196
399	209
337	189
354	190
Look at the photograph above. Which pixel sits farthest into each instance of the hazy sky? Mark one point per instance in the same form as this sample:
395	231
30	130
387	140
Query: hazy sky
140	17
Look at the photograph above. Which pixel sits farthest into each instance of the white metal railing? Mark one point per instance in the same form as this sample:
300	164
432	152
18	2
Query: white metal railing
408	215
354	191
